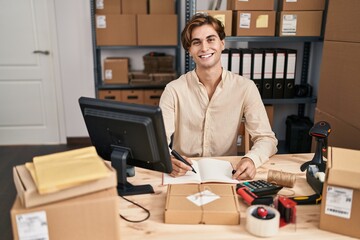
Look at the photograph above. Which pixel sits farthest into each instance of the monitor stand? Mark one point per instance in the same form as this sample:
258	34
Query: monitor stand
119	158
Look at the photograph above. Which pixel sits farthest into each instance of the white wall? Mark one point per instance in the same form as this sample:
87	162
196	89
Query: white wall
76	60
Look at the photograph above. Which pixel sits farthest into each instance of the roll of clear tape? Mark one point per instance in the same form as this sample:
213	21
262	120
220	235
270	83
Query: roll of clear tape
262	227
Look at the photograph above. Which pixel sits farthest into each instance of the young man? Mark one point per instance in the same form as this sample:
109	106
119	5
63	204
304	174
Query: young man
203	108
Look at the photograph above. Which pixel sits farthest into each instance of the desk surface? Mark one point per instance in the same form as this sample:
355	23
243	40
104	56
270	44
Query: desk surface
306	226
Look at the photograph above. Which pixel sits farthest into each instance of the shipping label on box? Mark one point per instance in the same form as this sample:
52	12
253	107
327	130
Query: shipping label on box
202	204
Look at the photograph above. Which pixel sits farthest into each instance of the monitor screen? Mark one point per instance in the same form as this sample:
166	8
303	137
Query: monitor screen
127	134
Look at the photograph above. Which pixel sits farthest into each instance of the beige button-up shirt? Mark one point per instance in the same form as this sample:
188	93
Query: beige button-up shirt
209	128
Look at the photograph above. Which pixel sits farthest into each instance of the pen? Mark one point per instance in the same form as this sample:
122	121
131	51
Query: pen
180	158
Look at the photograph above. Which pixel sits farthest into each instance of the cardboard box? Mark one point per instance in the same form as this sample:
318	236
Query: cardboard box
29	196
250	5
108	7
116	71
134	6
110	94
223	210
339	84
152	97
157	30
225	17
254	23
300	23
132	96
302	5
342	133
342	23
114	29
93	216
340	206
162	7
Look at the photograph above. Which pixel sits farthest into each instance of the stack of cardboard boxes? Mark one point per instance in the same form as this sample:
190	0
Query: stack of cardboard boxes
86	211
133	23
339	86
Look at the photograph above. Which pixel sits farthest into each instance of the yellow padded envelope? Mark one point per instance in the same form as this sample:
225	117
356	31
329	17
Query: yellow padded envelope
58	171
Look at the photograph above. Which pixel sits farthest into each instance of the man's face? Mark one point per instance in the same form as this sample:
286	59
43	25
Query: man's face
206	47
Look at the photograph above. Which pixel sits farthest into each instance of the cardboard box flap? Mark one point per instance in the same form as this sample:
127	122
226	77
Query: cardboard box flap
343	167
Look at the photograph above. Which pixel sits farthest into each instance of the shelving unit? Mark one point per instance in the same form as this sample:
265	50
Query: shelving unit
97	50
307	42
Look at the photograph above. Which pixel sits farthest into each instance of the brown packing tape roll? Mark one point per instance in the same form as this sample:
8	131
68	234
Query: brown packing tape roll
281	178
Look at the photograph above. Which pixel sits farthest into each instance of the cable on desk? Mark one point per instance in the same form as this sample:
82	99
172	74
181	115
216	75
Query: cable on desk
136	204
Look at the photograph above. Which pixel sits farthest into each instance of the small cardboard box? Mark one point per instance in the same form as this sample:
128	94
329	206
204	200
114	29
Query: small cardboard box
300	23
342	21
302	5
202	204
93	216
108	7
157	30
250	5
254	23
115	29
134	6
110	94
116	71
161	7
152	97
29	196
340	206
225	17
132	96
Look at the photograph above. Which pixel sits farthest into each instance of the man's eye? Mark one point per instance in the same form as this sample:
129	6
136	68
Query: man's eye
211	39
195	43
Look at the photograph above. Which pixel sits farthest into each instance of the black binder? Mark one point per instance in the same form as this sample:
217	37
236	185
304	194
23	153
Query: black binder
268	73
257	67
234	60
290	70
279	73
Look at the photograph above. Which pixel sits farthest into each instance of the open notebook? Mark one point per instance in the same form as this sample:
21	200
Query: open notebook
208	170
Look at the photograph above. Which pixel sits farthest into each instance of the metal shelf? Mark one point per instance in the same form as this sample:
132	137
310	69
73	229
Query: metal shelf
97	50
130	86
131	47
287	101
273	39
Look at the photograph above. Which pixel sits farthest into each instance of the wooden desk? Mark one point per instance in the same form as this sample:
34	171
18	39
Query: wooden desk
306	226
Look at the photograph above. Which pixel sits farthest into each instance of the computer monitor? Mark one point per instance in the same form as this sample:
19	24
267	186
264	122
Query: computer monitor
127	134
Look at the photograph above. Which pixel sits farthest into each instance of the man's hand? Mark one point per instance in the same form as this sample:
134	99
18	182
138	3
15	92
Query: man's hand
245	169
179	168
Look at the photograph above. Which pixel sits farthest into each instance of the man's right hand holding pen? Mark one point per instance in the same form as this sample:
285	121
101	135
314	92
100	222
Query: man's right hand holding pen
180	164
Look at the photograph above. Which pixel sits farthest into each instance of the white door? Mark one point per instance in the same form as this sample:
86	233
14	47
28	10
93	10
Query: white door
29	96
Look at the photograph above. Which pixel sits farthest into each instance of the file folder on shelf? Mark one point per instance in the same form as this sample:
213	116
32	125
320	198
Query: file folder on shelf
245	62
225	59
257	67
279	73
290	70
234	60
268	73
